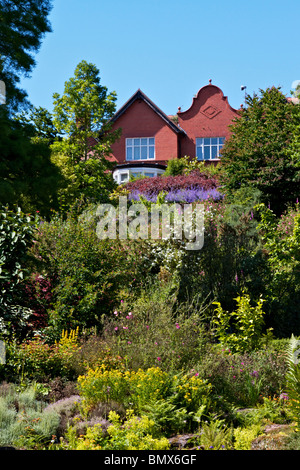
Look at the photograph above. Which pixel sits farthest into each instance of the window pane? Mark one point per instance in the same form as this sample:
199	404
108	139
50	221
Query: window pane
206	141
221	140
151	141
199	141
136	142
206	153
151	152
129	153
214	151
124	177
214	140
137	153
128	141
149	175
144	153
143	141
199	153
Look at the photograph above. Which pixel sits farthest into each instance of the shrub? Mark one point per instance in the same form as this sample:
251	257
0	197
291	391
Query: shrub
240	331
16	235
281	242
180	395
243	379
215	435
135	433
86	273
153	186
243	437
35	359
152	330
293	379
23	420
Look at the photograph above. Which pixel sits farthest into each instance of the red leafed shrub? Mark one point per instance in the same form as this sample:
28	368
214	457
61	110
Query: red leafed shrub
153	186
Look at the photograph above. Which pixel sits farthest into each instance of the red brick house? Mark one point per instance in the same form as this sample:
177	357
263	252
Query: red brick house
150	138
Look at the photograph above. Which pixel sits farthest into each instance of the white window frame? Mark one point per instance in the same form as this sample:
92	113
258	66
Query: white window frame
127	172
205	146
140	148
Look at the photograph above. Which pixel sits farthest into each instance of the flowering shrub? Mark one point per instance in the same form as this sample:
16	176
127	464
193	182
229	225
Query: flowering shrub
147	332
86	273
153	186
179	195
137	389
35	359
135	433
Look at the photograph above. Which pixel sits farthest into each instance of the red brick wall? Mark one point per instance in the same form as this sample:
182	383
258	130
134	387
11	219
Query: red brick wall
141	121
209	116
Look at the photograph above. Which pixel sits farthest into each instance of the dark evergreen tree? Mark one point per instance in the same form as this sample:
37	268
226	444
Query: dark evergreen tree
23	24
259	151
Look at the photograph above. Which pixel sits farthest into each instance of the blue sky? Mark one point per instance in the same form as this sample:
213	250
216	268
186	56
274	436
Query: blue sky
170	48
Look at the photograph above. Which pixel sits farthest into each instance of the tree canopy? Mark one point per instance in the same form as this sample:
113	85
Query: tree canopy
23	26
81	115
259	152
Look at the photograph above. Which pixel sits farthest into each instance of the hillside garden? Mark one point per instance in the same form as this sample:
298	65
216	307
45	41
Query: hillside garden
141	344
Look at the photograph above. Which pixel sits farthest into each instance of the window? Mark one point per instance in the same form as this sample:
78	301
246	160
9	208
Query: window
124	177
208	148
140	148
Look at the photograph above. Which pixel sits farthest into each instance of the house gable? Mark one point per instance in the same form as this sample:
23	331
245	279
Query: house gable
209	116
140	118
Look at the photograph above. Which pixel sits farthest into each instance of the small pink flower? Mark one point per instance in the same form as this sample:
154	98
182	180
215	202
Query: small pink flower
115	312
147	326
122	301
197	373
116	329
125	327
128	342
177	326
159	359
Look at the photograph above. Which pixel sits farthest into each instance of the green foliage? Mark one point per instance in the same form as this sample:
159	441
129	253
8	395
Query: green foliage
16	235
215	435
87	273
81	115
183	394
150	329
293	378
135	433
23	421
22	30
281	241
28	178
35	359
243	437
40	124
242	379
168	418
241	330
257	153
175	167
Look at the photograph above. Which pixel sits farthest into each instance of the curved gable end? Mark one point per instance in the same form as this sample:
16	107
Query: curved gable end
210	101
207	118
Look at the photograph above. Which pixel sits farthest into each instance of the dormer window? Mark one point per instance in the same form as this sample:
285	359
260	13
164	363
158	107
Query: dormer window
208	148
140	148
